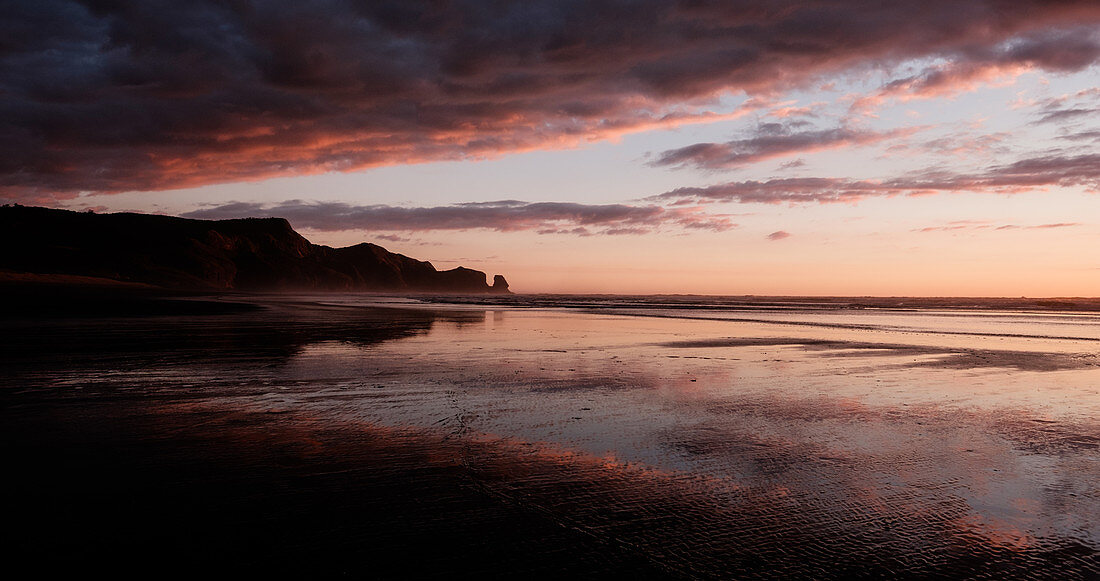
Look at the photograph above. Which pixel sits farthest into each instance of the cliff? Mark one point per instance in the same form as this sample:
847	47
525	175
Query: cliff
253	254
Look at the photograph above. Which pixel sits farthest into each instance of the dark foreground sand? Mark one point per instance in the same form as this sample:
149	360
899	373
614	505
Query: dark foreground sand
319	437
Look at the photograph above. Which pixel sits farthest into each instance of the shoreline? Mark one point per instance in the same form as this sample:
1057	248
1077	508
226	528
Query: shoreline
395	440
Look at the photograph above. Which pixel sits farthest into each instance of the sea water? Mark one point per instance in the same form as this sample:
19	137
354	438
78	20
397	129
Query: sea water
700	440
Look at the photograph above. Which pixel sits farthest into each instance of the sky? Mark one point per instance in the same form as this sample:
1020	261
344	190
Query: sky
841	147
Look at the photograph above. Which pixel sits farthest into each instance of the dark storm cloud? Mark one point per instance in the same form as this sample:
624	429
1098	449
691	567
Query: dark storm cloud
111	96
1021	176
504	216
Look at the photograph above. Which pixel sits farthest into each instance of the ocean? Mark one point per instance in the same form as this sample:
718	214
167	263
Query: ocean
549	436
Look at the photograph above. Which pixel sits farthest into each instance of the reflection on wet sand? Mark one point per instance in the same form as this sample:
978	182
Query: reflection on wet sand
333	437
964	358
274	333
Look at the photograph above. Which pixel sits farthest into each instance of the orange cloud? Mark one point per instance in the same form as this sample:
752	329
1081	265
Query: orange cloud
143	96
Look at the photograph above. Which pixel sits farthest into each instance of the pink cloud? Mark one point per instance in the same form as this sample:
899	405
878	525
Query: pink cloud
144	96
1056	225
971	226
1022	176
973	67
939	81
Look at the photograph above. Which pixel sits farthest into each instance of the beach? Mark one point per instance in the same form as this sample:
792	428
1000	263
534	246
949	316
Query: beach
412	437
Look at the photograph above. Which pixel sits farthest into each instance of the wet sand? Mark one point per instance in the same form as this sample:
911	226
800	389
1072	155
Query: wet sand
388	438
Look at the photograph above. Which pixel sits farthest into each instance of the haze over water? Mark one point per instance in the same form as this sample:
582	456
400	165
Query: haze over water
608	435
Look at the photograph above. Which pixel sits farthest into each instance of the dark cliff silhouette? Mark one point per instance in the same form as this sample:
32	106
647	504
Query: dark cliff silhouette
254	254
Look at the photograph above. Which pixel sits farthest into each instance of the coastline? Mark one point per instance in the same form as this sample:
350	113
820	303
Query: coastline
336	434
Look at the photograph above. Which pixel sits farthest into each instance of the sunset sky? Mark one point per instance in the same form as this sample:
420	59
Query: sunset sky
799	148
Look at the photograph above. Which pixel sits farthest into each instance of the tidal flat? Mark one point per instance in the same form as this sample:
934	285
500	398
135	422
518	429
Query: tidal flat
392	437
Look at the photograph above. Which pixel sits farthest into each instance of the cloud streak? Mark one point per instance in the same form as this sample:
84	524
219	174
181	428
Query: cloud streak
969	67
771	140
1022	176
502	216
1068	109
118	96
966	225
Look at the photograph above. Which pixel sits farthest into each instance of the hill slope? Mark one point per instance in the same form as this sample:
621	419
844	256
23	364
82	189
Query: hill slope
246	254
